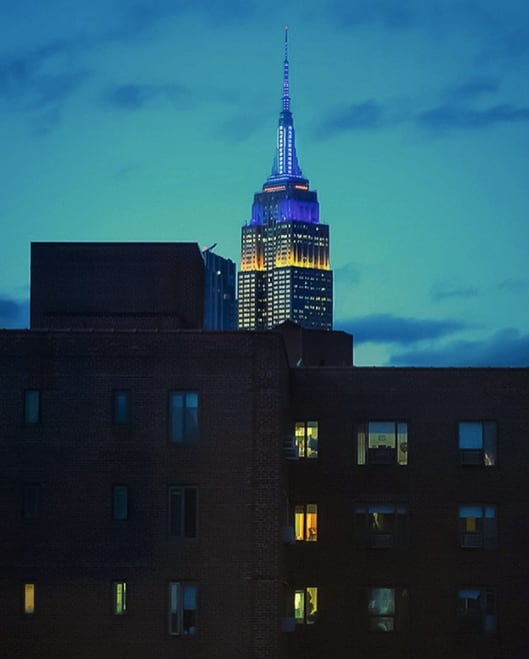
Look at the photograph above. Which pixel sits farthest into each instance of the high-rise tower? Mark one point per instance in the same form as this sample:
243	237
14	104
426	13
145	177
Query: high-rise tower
285	272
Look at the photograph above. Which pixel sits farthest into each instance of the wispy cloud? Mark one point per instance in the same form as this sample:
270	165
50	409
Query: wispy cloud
348	274
13	313
505	348
441	292
513	285
135	96
473	88
387	328
367	115
456	117
387	13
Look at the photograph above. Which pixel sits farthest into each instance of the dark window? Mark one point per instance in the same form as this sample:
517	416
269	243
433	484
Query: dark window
382	442
183	512
477	443
121	406
477	526
120	502
387	609
182	608
31	500
476	610
31	407
119	598
381	526
183	416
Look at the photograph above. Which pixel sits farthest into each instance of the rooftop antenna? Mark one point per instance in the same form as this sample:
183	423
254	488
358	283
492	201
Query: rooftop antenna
286	97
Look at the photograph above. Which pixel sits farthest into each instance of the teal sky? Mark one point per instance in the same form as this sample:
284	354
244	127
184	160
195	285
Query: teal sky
155	121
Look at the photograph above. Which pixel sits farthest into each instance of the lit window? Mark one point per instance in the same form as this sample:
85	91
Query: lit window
477	526
121	407
387	609
381	526
306	605
120	502
29	598
306	522
477	443
476	610
306	433
31	407
183	416
31	500
182	608
183	512
382	443
119	598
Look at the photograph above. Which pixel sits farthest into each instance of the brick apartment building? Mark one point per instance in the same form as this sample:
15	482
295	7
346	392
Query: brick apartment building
182	493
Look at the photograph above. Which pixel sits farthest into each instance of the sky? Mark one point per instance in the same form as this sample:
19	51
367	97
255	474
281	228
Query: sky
125	120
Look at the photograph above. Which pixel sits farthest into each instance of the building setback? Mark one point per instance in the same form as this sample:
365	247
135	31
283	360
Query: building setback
193	494
285	265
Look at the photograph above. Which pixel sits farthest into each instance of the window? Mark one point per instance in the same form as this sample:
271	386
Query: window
31	501
119	598
477	526
183	512
183	416
477	443
306	522
182	608
476	610
306	605
382	442
29	598
387	609
120	502
121	407
306	433
31	407
381	526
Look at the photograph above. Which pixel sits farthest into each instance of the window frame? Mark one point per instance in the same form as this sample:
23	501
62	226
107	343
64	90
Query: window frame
187	429
398	612
394	451
121	418
484	536
302	519
119	599
118	505
307	439
29	605
483	455
185	513
385	538
481	620
32	407
305	595
176	606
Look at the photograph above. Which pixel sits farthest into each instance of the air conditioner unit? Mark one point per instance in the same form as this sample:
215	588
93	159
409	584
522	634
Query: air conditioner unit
290	448
288	624
287	535
471	540
381	540
471	457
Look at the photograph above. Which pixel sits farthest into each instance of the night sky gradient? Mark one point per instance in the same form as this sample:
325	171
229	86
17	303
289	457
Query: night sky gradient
155	121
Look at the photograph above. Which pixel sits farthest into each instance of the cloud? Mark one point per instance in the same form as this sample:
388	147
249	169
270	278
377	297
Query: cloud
441	292
473	88
362	116
506	347
347	274
13	313
390	14
454	117
387	328
513	285
134	96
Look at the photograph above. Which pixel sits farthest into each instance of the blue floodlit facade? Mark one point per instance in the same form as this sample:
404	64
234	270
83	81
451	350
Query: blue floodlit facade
285	267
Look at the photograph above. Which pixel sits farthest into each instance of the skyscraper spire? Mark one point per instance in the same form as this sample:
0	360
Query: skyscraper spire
285	165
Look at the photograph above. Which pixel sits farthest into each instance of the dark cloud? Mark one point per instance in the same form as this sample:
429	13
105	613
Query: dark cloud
135	96
240	128
362	116
441	292
453	117
505	348
394	15
474	88
513	285
13	313
386	328
347	274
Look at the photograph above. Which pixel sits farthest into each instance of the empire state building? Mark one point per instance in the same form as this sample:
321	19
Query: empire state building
285	271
